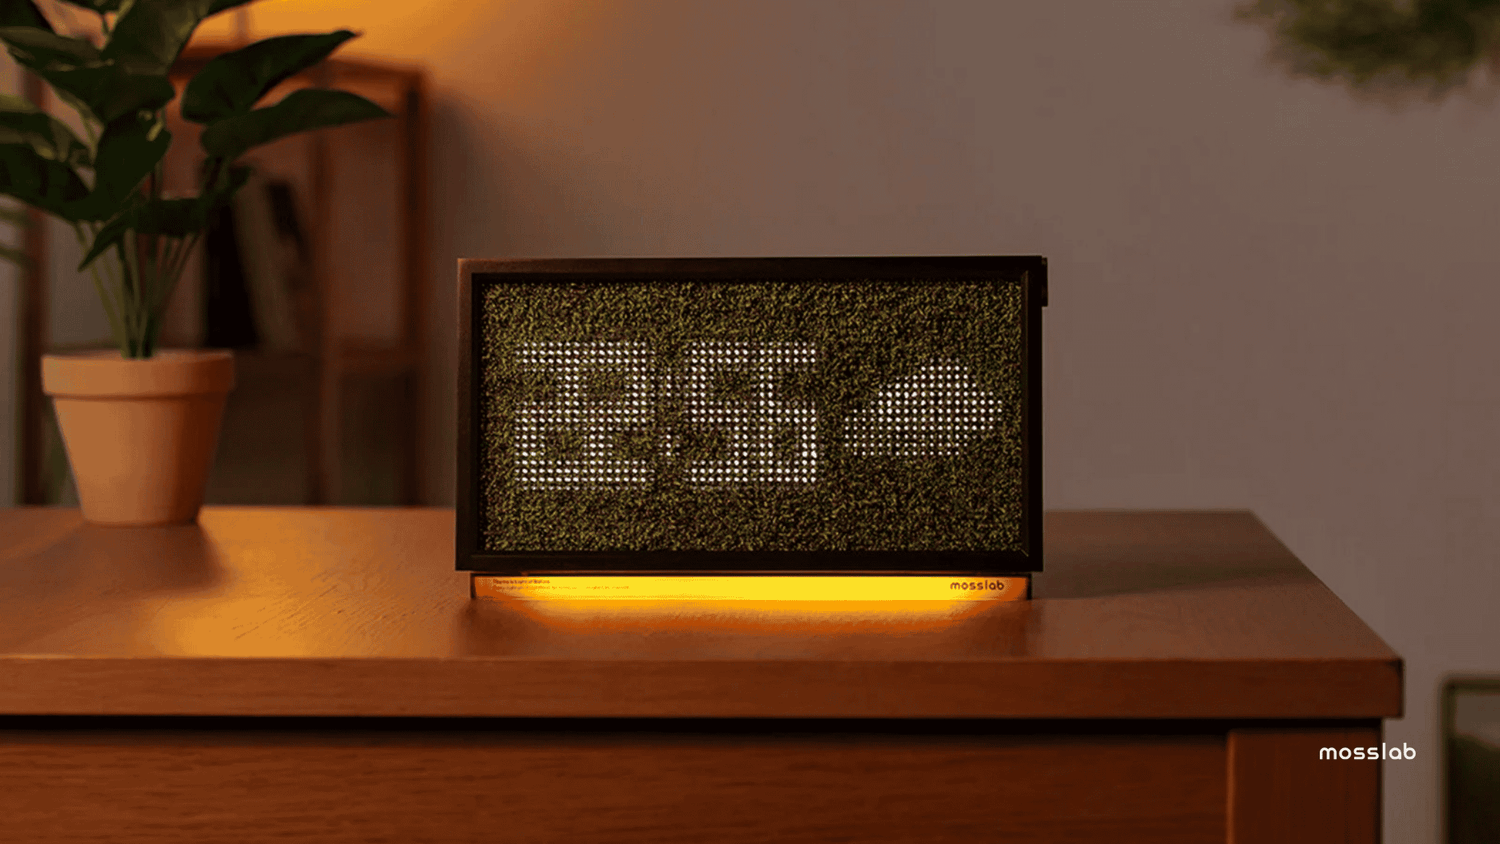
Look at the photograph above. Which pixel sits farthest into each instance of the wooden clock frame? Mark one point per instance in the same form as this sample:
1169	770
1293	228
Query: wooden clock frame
473	275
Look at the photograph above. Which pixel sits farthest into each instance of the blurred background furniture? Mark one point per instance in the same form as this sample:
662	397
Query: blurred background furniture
334	417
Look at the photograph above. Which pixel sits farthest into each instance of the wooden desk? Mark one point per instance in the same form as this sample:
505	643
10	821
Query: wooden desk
321	674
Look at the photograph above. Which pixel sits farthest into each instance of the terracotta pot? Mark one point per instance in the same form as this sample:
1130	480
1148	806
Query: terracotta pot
140	434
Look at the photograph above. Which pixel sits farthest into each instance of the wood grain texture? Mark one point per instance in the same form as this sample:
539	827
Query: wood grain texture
629	787
1281	792
299	611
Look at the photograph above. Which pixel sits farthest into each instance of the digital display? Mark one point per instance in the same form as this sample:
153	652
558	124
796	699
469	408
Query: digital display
805	414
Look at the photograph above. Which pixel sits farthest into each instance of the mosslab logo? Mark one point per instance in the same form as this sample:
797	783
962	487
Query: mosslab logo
978	585
1382	752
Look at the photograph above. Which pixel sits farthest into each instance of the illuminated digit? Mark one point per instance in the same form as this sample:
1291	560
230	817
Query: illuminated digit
734	391
935	412
593	396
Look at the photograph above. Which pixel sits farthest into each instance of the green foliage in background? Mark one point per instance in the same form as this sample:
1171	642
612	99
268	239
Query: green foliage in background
1386	45
109	184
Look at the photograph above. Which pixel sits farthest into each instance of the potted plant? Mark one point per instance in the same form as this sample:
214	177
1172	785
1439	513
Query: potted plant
141	425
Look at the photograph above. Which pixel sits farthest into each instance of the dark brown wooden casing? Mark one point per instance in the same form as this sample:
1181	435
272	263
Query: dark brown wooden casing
473	556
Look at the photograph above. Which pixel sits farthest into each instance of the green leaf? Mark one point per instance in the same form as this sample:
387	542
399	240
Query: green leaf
14	255
110	91
49	185
39	49
14	216
128	151
22	13
81	74
173	217
300	111
151	33
11	102
23	123
169	217
234	82
97	5
112	232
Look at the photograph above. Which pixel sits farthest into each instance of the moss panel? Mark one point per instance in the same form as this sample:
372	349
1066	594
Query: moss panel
751	415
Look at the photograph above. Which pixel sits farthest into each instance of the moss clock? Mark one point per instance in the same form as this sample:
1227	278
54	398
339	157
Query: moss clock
757	415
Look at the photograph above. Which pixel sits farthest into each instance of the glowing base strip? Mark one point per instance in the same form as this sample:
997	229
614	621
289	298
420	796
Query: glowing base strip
752	588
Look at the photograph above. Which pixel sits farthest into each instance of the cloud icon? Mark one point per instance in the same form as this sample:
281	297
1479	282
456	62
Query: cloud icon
935	412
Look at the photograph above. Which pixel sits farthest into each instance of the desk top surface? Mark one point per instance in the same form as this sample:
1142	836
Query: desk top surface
332	611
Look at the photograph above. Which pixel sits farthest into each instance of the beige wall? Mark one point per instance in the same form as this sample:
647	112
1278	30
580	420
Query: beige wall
1264	294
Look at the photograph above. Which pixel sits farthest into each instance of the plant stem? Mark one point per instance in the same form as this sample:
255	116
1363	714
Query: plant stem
134	284
169	273
179	263
109	271
116	327
179	250
158	242
169	254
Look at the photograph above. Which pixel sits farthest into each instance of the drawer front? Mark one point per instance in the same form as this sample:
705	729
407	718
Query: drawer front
339	784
